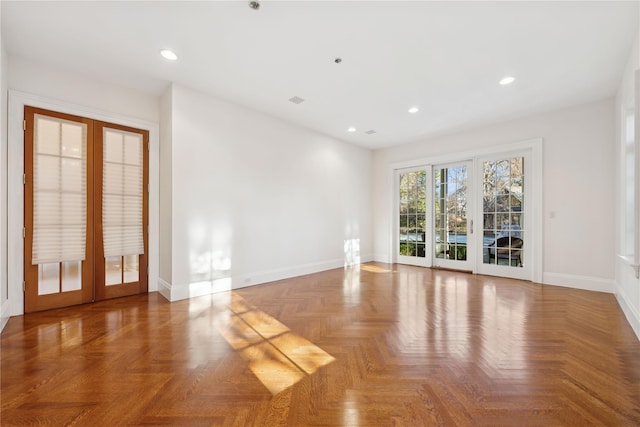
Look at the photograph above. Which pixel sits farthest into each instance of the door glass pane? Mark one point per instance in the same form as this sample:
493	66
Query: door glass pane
49	166
59	190
70	172
450	186
131	271
122	193
503	201
412	219
72	141
48	278
71	275
113	148
113	270
48	140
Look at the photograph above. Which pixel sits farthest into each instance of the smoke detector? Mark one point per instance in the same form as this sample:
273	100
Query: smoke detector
296	100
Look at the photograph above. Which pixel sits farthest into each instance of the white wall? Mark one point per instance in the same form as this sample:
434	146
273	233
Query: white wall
4	303
627	285
51	82
166	185
578	178
255	199
61	90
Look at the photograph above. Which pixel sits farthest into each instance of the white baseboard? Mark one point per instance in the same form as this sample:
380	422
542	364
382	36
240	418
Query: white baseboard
164	288
385	258
190	290
284	273
196	289
587	283
631	313
4	314
367	258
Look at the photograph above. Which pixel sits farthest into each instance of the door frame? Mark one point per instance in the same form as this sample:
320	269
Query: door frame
534	150
15	189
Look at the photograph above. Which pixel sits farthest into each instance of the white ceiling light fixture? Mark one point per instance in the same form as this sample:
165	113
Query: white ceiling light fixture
168	54
413	110
351	129
507	80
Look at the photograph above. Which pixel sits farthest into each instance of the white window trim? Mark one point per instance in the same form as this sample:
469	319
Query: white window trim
15	209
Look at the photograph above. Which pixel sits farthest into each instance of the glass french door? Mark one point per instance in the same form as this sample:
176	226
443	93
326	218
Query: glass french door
85	202
504	211
452	216
469	215
412	227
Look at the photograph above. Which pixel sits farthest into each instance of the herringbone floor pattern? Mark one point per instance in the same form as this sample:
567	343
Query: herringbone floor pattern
380	345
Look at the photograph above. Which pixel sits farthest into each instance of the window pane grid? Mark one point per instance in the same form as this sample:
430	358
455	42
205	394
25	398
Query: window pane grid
122	196
412	218
450	194
503	189
59	190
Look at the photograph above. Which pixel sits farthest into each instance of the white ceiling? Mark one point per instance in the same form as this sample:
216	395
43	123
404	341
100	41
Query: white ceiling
444	57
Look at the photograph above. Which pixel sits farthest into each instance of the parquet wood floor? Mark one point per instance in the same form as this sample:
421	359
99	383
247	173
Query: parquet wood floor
380	345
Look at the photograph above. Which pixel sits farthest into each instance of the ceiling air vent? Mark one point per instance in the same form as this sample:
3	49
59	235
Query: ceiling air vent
296	100
370	132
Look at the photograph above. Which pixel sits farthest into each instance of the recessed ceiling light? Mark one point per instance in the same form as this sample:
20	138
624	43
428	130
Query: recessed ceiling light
507	80
351	129
414	110
168	54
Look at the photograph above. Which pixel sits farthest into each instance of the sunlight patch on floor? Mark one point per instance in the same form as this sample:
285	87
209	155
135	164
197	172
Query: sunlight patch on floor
277	357
373	268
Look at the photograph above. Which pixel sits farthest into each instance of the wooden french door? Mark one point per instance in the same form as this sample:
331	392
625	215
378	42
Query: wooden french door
85	210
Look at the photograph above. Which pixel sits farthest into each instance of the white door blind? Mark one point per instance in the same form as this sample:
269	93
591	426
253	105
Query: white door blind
122	196
59	190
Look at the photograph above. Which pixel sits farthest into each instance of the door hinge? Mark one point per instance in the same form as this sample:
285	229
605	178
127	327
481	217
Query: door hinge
24	179
24	286
24	232
148	188
24	125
